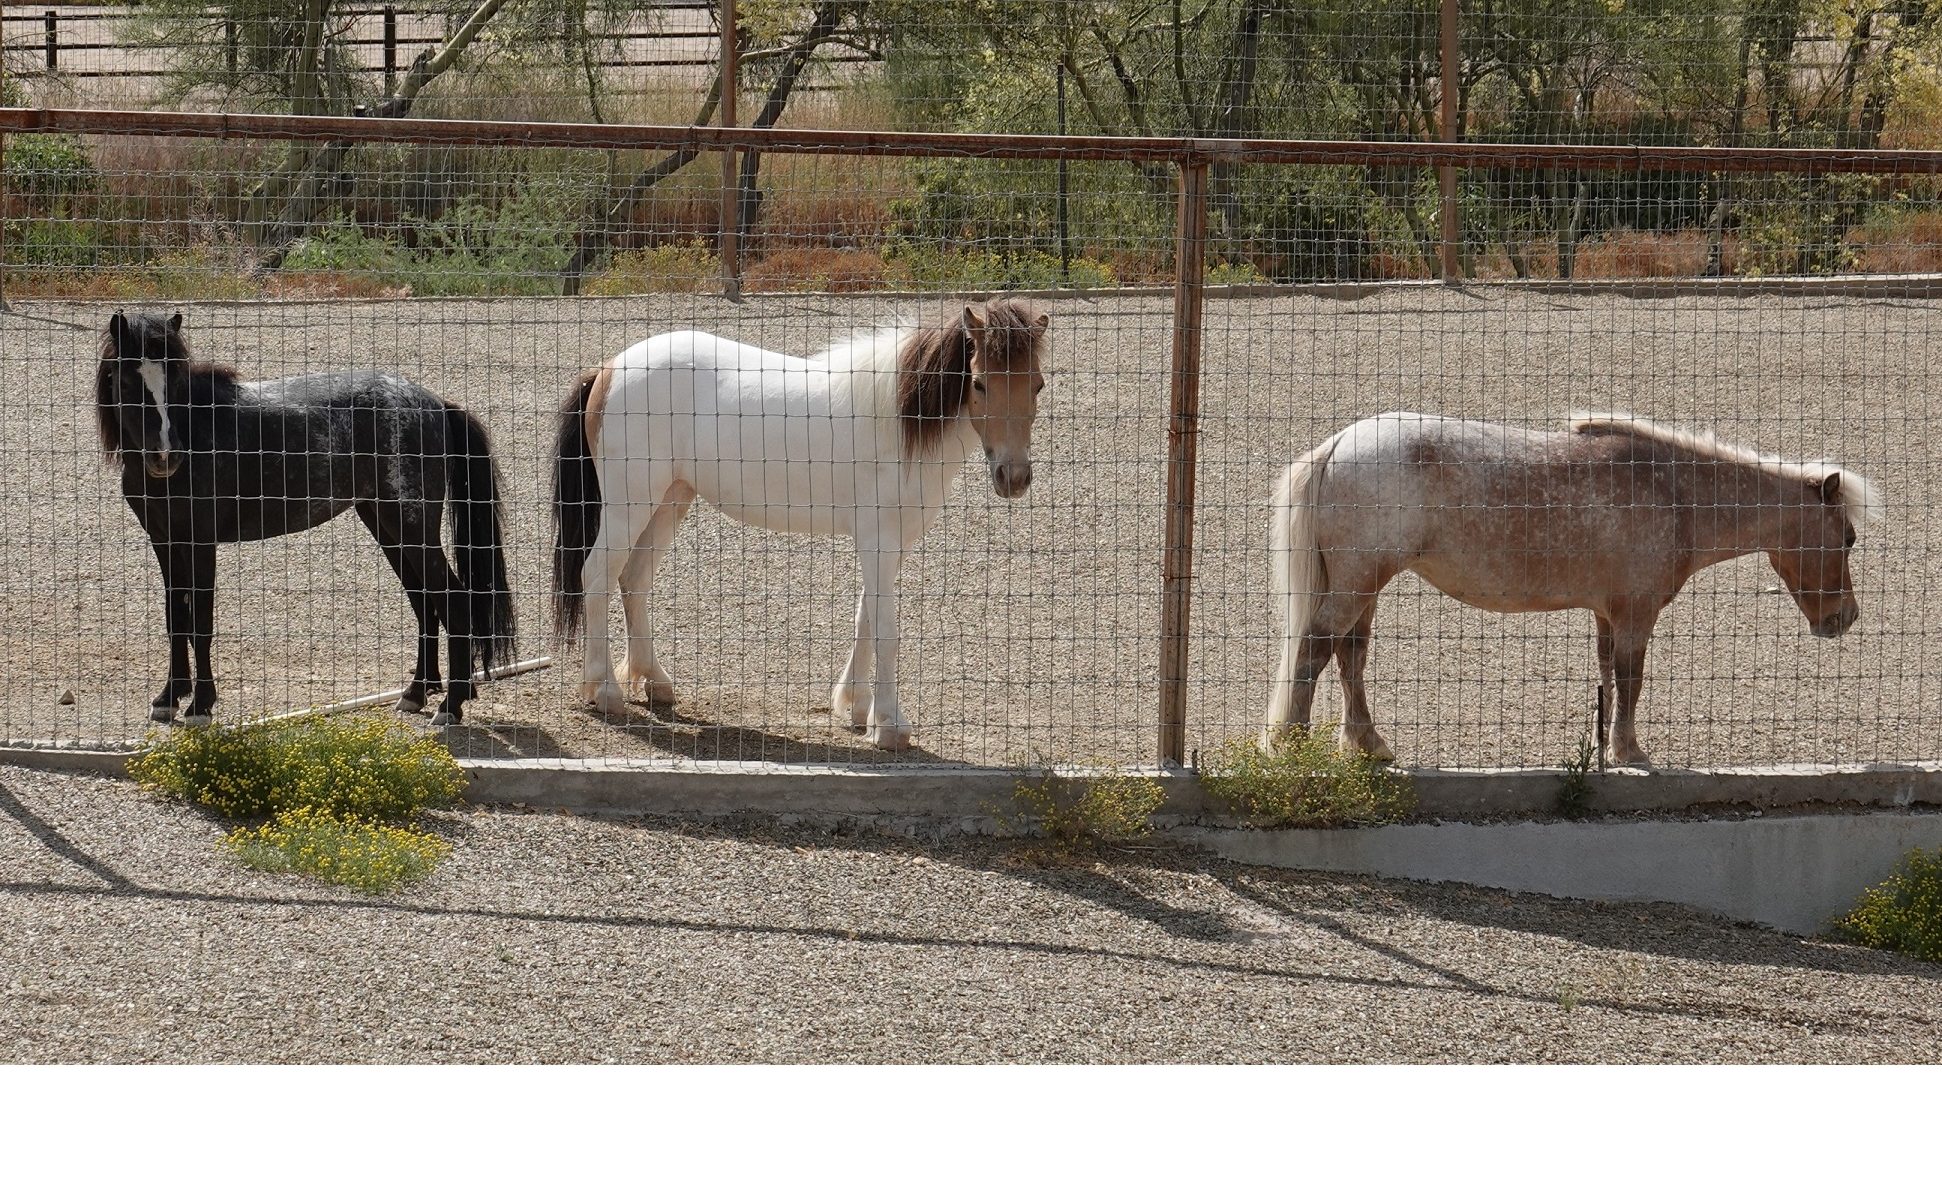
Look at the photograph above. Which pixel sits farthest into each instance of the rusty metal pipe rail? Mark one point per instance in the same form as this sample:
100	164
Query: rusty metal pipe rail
1289	152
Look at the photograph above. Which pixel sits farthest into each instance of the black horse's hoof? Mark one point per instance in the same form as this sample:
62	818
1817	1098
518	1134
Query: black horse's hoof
197	720
445	718
162	714
407	705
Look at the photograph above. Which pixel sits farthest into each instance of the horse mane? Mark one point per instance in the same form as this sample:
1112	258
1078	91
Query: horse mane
106	425
1858	495
934	367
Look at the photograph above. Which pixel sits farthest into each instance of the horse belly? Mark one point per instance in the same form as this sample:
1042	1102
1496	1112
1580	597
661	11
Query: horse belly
1508	581
789	497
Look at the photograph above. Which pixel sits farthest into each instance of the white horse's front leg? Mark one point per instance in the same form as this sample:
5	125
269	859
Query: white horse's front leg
888	730
851	694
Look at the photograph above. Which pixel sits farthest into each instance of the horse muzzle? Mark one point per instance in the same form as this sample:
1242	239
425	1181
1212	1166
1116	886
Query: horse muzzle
1011	480
1838	622
161	466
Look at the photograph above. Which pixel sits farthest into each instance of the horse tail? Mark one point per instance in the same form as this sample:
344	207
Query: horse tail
576	505
478	536
1298	575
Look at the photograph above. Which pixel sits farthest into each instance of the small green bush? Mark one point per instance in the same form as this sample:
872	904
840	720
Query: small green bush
366	855
916	266
1904	912
1305	782
368	766
1574	791
1074	811
688	266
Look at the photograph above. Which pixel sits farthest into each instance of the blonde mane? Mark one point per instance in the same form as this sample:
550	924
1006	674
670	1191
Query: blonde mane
1858	494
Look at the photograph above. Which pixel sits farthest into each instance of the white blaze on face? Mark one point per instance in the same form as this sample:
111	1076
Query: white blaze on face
155	381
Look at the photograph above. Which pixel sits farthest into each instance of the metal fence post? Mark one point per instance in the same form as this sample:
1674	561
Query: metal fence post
731	214
53	23
1183	436
3	160
1446	176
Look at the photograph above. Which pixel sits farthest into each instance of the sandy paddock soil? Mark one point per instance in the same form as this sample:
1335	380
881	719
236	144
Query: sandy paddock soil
1030	628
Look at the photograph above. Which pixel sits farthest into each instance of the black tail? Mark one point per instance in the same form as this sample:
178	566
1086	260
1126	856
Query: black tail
576	510
477	536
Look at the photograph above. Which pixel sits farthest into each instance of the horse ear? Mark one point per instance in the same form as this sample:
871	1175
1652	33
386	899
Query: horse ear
1831	488
118	324
1044	319
972	320
175	323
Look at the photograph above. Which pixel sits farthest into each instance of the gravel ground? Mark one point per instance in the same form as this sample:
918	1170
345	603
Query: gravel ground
1030	629
126	935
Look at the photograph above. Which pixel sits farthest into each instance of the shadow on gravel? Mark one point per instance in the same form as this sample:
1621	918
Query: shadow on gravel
1128	882
1210	940
665	732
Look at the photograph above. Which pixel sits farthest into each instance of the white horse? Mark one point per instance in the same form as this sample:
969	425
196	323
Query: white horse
1613	515
861	441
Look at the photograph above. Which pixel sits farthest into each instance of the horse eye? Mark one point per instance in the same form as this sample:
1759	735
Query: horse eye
977	385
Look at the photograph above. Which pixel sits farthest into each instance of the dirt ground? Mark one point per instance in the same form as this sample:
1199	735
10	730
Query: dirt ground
128	935
1030	629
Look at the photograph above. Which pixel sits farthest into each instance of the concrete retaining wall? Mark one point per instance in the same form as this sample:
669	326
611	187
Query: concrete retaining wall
1794	873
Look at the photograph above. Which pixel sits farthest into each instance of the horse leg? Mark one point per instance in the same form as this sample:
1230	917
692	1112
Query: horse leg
1350	599
1629	641
852	691
176	618
424	672
202	631
1351	656
424	558
636	579
622	525
887	727
1608	694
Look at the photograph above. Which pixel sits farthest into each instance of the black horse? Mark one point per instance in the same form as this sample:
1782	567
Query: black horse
207	458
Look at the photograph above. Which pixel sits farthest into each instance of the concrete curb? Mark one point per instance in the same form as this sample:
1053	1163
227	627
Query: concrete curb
1794	873
965	797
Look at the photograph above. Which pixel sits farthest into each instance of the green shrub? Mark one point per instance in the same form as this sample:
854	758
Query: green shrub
1904	912
689	266
366	855
368	766
921	267
1074	811
1574	791
1307	783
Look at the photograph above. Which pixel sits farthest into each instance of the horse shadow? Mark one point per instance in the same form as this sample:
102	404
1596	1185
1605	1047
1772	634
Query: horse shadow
670	732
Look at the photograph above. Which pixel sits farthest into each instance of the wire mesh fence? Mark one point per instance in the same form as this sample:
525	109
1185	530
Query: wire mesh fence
1782	302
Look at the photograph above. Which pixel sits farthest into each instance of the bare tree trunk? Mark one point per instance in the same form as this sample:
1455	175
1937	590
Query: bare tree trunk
1236	99
748	199
324	180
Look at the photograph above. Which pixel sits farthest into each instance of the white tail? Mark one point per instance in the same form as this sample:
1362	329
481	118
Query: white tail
1298	576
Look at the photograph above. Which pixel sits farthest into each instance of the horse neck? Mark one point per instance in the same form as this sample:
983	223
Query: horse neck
1738	508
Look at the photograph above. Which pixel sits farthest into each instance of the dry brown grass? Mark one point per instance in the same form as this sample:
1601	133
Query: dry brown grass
1910	245
809	269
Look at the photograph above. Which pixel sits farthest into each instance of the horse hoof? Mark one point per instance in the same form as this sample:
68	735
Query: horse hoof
605	697
891	737
197	720
444	718
408	705
161	715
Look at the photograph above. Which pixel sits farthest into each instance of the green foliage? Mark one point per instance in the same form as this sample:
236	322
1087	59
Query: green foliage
366	855
917	266
688	266
1574	792
1904	912
367	767
45	170
517	248
1074	811
1306	783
